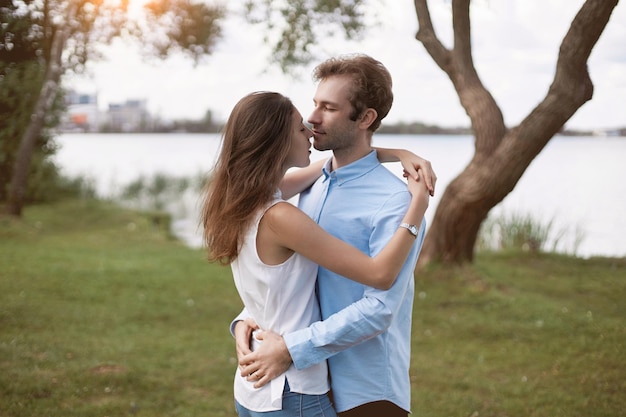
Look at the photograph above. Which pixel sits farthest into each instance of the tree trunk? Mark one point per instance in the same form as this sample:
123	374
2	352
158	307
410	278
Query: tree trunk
501	156
49	90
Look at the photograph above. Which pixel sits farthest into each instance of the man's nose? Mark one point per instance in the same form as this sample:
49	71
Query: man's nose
313	117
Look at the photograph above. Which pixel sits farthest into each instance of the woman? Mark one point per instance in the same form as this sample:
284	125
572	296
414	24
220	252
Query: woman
274	248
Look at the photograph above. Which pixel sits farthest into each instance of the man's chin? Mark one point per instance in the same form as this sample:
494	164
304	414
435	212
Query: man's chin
319	146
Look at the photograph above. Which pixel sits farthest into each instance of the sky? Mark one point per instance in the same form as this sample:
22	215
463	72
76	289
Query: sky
515	46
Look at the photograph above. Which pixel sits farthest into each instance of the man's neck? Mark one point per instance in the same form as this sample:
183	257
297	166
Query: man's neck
343	157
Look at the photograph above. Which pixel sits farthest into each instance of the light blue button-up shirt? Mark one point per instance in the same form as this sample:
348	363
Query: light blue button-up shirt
366	333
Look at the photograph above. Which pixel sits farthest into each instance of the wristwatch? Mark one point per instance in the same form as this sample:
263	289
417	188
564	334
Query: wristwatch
411	228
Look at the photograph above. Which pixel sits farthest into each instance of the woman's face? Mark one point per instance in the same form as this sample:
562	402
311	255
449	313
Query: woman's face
300	150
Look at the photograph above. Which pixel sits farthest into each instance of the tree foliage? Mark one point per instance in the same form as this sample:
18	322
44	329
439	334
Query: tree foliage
179	26
294	27
21	77
44	39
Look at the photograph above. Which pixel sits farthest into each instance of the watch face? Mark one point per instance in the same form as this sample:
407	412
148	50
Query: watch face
414	230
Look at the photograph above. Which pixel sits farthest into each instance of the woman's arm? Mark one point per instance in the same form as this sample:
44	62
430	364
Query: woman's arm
412	164
288	227
298	180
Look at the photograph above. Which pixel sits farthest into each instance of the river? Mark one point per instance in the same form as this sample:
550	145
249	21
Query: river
578	183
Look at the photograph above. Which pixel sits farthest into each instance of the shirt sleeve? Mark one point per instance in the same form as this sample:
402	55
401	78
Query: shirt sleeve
362	320
242	316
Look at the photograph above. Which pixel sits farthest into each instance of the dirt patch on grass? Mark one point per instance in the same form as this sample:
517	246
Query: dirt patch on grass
108	369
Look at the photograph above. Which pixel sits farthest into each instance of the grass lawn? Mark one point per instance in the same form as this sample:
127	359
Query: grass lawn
103	314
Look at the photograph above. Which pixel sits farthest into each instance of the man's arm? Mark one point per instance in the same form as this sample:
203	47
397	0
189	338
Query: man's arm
273	357
361	321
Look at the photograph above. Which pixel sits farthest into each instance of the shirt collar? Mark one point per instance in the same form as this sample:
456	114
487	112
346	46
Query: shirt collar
351	171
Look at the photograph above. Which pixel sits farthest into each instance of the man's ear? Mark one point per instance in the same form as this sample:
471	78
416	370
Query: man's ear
367	118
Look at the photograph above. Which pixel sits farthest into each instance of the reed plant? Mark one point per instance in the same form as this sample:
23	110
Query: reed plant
528	233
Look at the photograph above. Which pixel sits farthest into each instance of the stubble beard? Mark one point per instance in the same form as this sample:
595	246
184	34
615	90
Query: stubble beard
334	141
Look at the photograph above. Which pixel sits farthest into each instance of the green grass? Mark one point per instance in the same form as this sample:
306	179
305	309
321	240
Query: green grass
103	314
521	335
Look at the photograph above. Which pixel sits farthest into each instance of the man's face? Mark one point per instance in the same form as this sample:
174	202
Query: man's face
330	119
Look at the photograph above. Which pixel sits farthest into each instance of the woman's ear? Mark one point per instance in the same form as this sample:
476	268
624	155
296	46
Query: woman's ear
367	118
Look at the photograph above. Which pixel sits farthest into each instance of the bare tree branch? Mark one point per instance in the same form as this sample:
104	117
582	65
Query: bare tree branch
427	36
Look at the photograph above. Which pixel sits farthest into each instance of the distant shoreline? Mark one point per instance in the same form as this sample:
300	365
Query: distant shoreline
390	130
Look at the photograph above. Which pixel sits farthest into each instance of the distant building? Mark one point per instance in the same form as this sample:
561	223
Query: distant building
131	116
82	113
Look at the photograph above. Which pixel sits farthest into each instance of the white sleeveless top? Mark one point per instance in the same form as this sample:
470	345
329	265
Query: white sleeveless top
280	298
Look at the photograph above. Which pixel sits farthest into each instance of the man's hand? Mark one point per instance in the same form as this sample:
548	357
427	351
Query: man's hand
270	360
243	335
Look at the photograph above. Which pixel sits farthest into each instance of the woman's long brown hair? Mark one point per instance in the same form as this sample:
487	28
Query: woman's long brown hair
255	144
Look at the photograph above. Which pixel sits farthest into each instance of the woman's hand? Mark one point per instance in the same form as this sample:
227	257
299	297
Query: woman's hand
243	334
419	191
417	167
414	166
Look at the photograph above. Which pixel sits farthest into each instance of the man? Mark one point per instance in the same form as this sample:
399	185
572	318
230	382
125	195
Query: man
365	333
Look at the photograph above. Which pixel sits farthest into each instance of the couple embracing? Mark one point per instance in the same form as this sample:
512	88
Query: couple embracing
327	286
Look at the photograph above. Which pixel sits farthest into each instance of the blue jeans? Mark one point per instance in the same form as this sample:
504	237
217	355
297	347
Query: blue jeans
295	405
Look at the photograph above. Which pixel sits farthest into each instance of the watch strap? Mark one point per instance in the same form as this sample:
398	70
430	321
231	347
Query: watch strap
410	227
